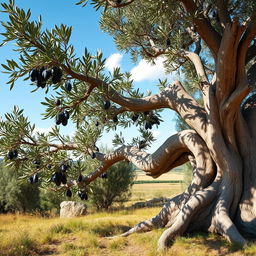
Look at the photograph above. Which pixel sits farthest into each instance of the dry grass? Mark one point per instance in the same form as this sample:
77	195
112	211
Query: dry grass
87	236
28	236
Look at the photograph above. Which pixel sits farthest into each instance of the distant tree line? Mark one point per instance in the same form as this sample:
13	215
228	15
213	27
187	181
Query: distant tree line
18	195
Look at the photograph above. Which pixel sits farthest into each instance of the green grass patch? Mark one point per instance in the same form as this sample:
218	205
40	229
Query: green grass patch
59	229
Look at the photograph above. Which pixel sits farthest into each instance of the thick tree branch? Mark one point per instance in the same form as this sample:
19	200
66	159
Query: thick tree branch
223	12
203	27
174	97
56	147
226	74
244	44
173	152
196	60
187	107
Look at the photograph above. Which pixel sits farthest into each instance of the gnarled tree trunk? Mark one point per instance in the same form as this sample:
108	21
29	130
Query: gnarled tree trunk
220	148
221	142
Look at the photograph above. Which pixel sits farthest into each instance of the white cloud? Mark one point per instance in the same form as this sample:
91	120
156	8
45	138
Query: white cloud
148	71
113	61
156	133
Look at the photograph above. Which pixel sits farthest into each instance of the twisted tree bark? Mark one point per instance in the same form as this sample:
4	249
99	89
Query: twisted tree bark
221	149
220	144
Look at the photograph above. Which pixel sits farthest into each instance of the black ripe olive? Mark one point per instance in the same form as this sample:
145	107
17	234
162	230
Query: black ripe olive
106	105
104	176
93	155
41	83
63	179
64	121
148	125
135	117
66	114
142	144
80	178
15	153
56	75
33	74
154	120
57	102
68	86
30	180
35	178
58	120
115	119
64	167
97	123
60	117
68	193
46	74
56	178
82	195
10	155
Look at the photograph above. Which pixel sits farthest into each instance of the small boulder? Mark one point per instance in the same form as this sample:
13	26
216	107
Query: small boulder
69	209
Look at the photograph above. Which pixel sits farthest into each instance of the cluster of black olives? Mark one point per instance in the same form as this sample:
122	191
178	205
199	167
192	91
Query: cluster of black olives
42	75
151	119
62	118
60	177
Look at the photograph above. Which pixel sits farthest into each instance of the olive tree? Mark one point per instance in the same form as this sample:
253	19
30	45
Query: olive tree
114	186
212	43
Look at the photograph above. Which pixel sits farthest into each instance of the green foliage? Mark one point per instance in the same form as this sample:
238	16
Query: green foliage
44	48
50	201
115	188
144	29
16	195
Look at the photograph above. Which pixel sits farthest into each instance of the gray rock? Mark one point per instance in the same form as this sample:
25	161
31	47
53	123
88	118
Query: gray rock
69	209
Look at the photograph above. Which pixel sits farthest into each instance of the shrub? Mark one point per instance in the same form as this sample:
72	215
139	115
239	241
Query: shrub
116	187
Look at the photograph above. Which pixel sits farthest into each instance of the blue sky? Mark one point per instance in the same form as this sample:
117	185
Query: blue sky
86	33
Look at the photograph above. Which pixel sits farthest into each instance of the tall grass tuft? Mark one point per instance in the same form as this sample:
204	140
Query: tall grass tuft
18	244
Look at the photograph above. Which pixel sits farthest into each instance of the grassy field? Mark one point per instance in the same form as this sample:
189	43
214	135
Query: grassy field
146	191
87	236
174	175
32	236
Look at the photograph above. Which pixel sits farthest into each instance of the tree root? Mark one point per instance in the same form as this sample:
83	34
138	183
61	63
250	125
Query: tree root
204	209
169	210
